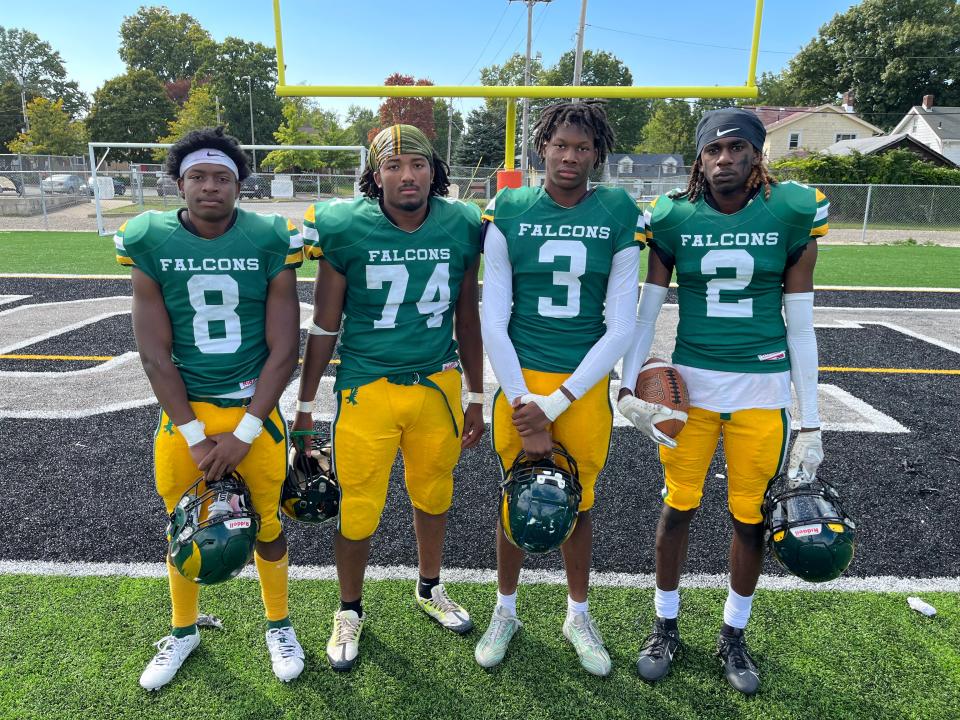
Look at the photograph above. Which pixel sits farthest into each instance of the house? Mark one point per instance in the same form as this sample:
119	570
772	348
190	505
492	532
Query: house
793	130
640	174
936	127
886	143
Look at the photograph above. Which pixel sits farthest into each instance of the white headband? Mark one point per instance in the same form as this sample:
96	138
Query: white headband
210	156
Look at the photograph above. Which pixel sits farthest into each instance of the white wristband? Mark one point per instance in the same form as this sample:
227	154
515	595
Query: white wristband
193	432
249	427
306	406
315	329
474	398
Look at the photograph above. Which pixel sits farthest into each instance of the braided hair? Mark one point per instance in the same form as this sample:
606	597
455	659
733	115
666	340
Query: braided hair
439	186
588	115
760	175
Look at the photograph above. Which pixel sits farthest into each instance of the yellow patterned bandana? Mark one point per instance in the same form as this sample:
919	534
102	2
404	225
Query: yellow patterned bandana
398	140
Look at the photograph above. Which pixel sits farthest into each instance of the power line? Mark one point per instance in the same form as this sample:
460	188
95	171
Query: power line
684	42
480	54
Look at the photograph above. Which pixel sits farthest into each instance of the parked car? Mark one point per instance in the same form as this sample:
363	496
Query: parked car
62	184
119	187
167	186
11	184
256	186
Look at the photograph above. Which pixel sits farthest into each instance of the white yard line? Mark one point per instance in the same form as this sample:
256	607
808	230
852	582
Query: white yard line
881	583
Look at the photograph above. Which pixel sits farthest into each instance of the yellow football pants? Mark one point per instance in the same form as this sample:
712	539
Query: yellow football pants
584	429
376	419
755	444
263	469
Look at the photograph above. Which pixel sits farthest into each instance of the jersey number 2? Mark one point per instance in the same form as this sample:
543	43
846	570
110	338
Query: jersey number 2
742	262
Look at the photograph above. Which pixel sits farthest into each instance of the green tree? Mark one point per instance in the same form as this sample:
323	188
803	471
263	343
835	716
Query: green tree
897	167
442	122
627	116
890	54
671	129
483	142
304	124
173	47
361	121
775	89
38	69
235	60
52	132
130	108
11	111
199	111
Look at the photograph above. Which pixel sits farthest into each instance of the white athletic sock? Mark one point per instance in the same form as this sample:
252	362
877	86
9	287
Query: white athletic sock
508	602
666	603
574	607
736	610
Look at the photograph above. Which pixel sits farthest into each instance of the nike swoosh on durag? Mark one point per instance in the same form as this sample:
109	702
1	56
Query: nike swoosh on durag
721	134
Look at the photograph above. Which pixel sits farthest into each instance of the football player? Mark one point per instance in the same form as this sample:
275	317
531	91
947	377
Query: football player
215	315
744	248
399	267
559	301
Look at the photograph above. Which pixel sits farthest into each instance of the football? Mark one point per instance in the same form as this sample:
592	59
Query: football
659	382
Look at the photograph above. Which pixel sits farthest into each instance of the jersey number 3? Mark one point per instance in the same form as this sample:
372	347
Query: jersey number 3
576	251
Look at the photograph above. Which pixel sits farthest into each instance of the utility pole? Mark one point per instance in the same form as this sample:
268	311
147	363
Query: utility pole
449	128
578	57
253	139
525	122
23	104
216	103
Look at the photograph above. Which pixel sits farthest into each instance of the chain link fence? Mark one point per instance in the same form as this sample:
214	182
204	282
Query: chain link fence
55	199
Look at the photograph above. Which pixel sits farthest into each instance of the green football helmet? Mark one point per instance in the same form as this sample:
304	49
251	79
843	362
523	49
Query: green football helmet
310	491
807	529
539	501
213	532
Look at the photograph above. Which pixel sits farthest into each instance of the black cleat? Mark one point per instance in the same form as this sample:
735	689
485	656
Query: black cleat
738	667
658	650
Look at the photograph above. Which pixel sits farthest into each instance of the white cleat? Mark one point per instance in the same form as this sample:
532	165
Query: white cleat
286	655
344	643
171	652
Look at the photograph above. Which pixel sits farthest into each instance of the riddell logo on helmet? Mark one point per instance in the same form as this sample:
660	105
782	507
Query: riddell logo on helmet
805	530
237	524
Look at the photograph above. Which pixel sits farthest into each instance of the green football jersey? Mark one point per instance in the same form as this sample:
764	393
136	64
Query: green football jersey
730	272
215	292
402	287
560	258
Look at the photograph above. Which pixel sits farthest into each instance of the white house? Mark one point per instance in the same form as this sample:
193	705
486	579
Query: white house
936	127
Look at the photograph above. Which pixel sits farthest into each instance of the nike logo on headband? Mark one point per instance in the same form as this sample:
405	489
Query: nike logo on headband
721	134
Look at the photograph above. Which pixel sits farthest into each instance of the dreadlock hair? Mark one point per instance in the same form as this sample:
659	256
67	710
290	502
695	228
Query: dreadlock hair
588	115
760	175
208	137
440	185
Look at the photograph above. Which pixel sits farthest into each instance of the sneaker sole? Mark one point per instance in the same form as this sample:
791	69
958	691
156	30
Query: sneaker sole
462	629
342	665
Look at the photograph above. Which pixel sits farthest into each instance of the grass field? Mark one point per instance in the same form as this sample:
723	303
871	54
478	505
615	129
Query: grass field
74	648
858	265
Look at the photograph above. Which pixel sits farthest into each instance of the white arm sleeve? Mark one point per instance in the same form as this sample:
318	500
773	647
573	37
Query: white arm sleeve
495	314
651	300
804	361
618	314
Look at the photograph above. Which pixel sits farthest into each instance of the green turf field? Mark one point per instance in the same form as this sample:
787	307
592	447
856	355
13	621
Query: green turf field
74	648
880	265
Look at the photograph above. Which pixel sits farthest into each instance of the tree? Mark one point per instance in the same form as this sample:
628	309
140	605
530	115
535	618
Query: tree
11	111
408	110
775	89
199	111
306	125
671	129
38	69
890	54
360	121
52	132
173	47
627	116
130	108
442	122
483	142
511	73
235	60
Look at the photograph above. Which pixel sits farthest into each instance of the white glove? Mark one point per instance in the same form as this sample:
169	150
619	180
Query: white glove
806	455
645	416
552	405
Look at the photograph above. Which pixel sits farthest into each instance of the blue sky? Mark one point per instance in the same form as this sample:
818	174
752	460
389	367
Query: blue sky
690	42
